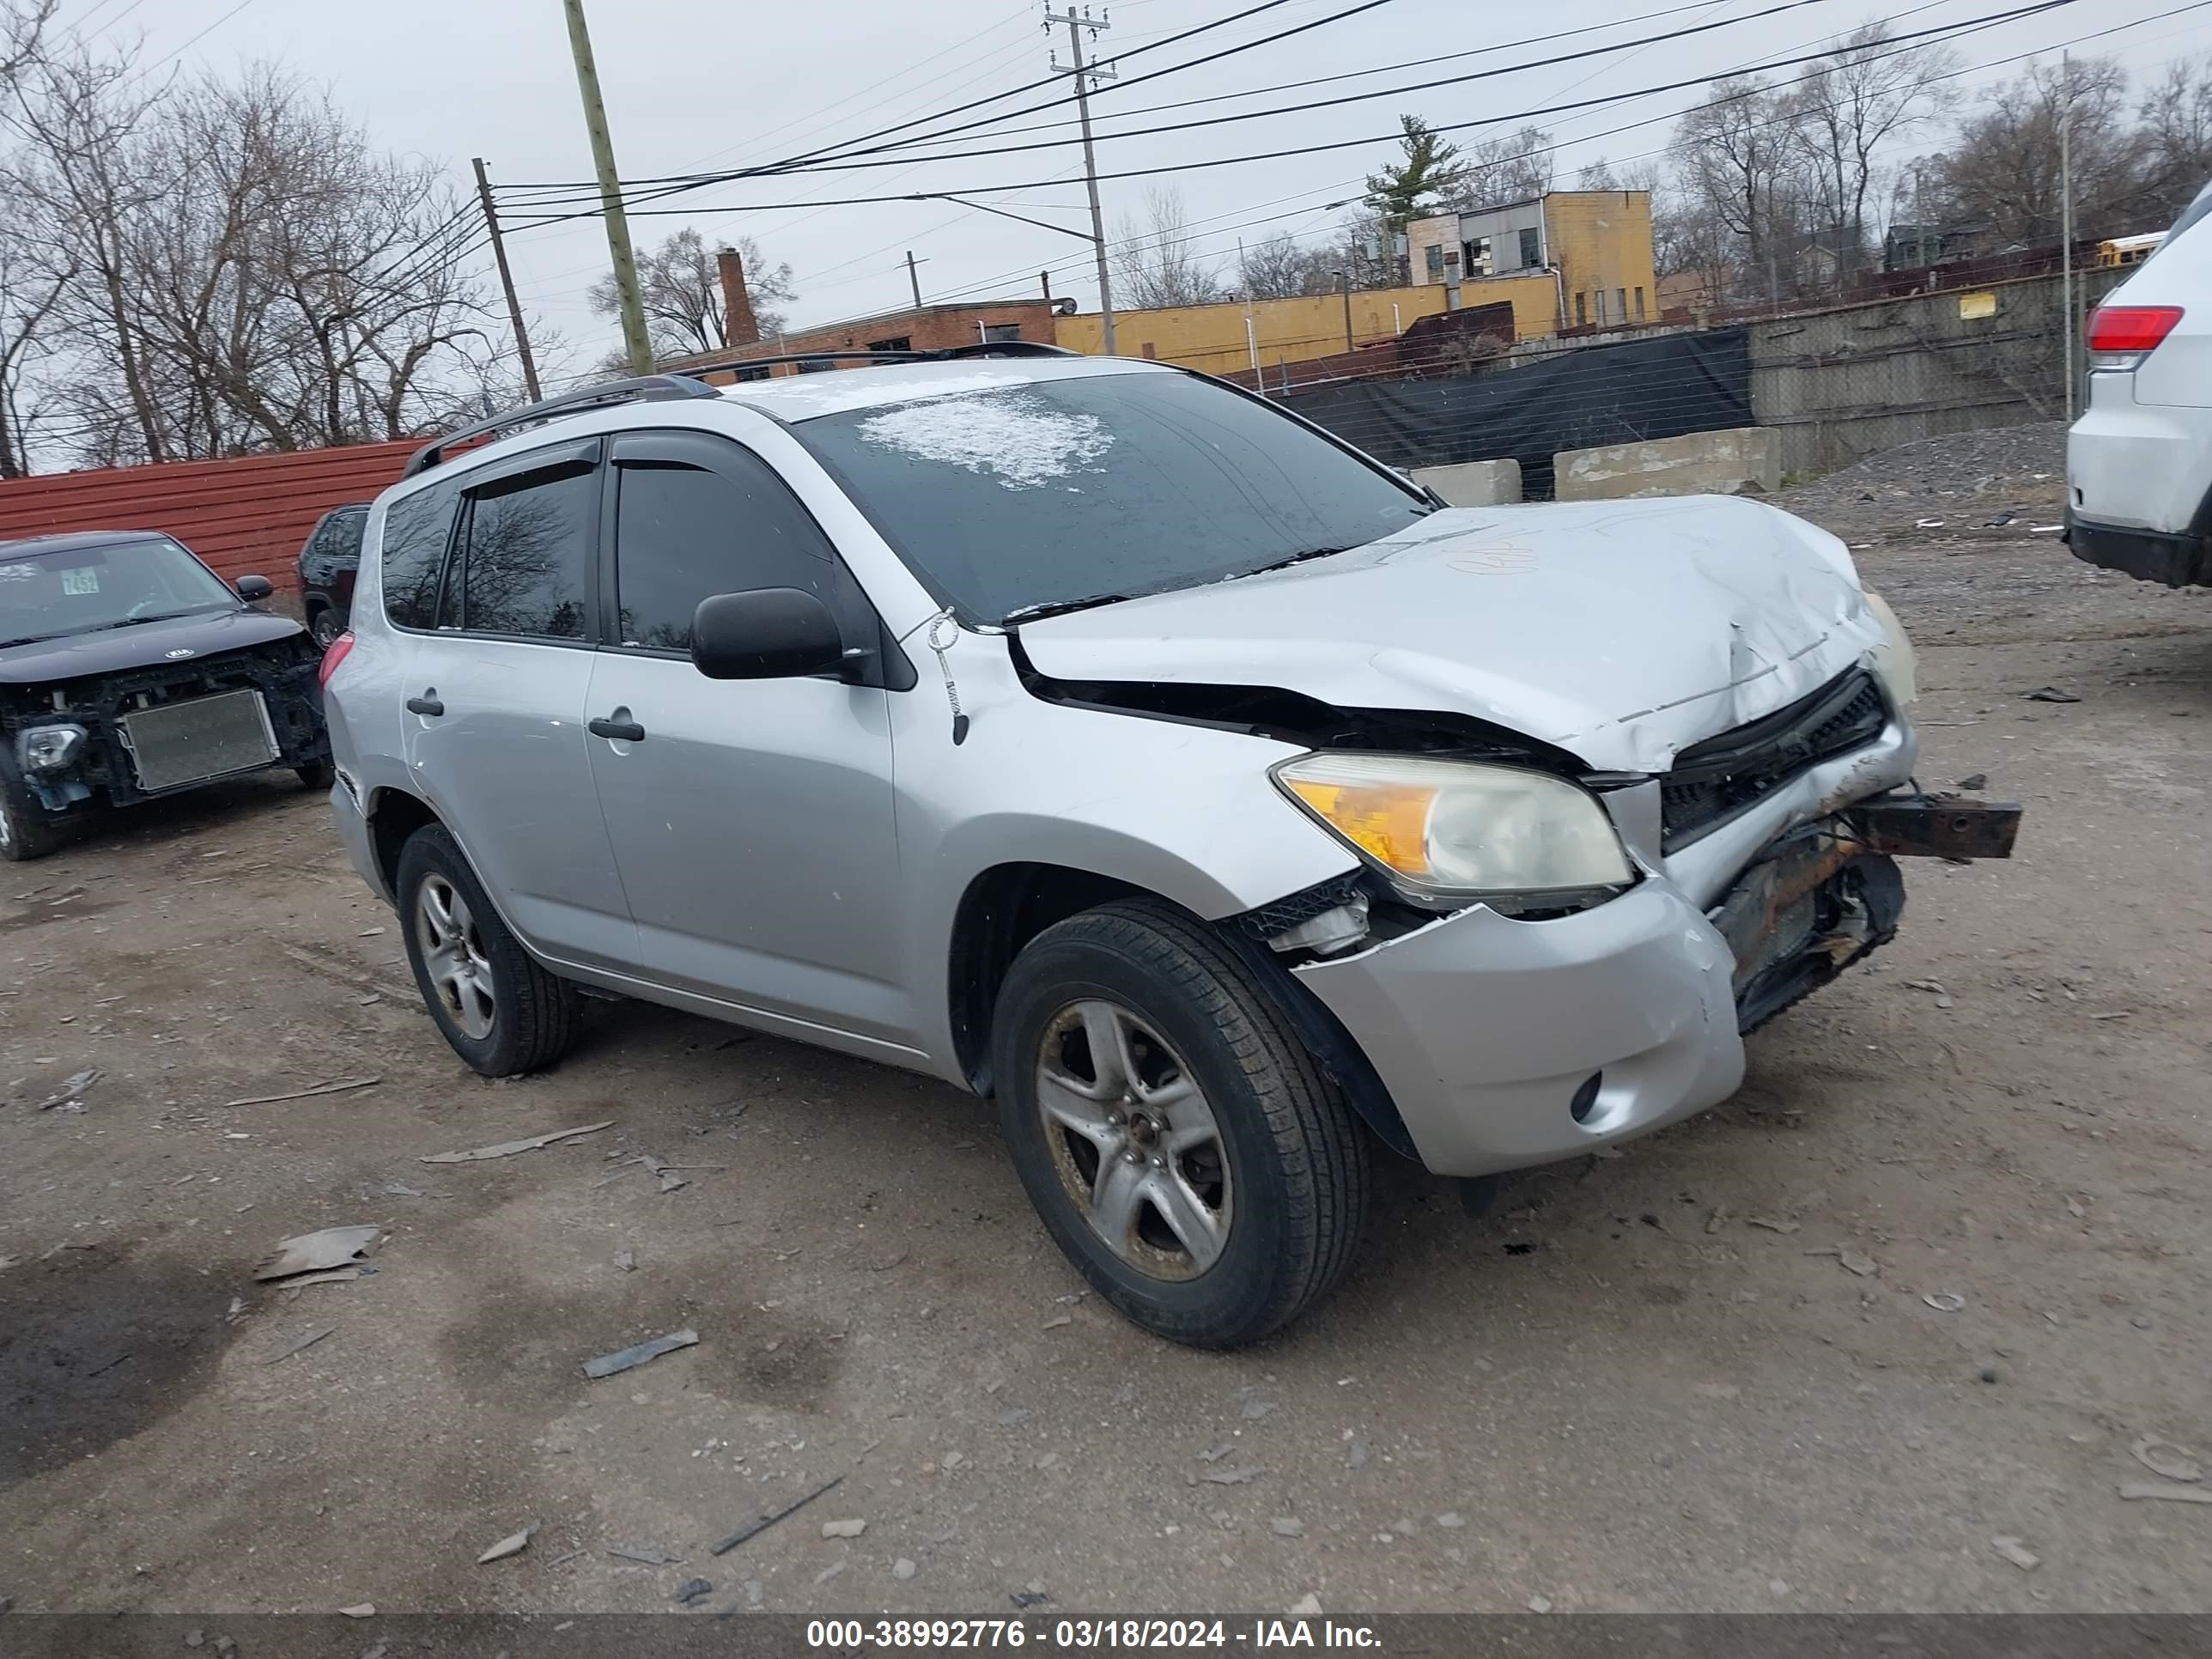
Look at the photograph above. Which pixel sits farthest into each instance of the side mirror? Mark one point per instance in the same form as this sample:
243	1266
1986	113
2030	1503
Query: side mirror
251	588
765	634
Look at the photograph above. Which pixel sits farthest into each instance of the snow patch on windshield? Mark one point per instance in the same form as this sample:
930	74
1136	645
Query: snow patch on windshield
1019	437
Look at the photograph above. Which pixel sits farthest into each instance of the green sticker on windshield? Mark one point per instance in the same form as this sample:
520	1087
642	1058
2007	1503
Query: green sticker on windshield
86	580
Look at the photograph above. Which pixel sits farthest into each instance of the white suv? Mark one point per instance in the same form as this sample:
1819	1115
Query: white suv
2139	461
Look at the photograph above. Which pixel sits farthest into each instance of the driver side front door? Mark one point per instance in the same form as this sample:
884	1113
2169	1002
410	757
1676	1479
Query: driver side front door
751	819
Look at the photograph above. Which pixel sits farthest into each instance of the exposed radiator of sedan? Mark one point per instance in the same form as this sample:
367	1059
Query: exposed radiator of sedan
177	743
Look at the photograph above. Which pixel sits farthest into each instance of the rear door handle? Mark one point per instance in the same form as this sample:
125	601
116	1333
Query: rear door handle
426	704
616	731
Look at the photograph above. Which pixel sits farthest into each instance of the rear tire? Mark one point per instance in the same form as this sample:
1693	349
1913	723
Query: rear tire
324	624
1208	1179
27	830
318	775
502	1013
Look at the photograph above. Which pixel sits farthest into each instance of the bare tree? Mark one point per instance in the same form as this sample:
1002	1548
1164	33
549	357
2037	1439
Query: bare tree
1844	119
30	291
681	286
1734	157
2002	170
1283	268
2175	128
23	33
1509	168
1155	263
239	270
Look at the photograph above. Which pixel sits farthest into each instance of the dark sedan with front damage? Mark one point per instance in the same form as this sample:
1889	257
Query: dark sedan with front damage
130	669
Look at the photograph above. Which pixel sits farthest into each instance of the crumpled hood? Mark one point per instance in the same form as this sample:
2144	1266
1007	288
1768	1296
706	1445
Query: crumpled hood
173	640
1620	631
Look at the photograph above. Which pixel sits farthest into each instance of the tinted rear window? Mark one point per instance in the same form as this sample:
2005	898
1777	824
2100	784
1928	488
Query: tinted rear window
529	555
416	531
1056	491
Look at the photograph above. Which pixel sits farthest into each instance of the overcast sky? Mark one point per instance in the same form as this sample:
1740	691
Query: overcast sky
709	83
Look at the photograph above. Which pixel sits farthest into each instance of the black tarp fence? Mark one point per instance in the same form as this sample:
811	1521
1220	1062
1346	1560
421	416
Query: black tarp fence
1661	387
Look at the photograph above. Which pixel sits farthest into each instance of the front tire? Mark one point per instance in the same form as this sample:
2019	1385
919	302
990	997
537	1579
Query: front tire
324	627
1182	1146
502	1013
319	775
27	830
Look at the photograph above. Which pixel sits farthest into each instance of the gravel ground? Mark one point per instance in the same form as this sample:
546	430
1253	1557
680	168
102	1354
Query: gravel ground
1920	1287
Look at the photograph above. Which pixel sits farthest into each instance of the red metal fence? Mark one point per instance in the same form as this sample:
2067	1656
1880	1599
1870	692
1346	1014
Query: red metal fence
247	516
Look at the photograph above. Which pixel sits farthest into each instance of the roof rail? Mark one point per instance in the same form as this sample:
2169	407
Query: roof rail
943	353
645	388
687	383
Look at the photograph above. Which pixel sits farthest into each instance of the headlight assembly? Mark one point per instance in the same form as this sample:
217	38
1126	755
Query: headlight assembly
49	748
1455	830
1896	665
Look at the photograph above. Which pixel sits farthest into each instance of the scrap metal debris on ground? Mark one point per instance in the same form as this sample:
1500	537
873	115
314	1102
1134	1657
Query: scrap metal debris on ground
73	1090
753	1529
338	1088
513	1544
509	1148
609	1365
333	1246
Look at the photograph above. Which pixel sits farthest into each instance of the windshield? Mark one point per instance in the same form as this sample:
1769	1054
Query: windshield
1045	495
45	594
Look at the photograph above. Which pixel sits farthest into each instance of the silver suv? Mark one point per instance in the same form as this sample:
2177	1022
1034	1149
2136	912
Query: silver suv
1098	737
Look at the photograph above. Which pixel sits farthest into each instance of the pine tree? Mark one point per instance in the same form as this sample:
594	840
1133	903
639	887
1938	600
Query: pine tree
1430	167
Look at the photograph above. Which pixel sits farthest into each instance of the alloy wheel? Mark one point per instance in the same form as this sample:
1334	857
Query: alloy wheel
454	956
1134	1141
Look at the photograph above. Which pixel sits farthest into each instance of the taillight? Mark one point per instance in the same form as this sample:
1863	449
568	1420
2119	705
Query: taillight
332	658
2121	337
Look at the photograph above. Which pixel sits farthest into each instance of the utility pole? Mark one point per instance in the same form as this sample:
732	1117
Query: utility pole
914	279
2066	217
1085	76
506	282
634	340
1346	275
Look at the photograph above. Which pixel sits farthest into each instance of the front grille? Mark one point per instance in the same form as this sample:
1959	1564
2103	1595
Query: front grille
1713	781
175	743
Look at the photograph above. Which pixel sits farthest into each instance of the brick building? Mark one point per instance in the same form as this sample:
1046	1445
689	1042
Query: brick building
918	328
931	328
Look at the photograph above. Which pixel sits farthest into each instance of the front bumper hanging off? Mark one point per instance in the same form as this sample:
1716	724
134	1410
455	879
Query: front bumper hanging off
1506	1043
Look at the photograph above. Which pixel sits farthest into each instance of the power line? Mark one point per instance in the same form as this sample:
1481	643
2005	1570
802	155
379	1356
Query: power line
1380	69
811	120
791	163
1987	21
1512	69
191	41
1349	98
1970	25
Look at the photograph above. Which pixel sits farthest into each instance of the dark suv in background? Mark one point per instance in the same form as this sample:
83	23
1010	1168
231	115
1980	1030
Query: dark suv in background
326	567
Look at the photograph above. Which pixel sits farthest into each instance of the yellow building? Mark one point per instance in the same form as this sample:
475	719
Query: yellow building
1223	338
1573	258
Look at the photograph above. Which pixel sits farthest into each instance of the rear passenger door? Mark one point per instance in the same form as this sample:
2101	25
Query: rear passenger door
751	819
494	702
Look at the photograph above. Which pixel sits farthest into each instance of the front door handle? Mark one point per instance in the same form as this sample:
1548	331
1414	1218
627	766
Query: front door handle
427	703
616	731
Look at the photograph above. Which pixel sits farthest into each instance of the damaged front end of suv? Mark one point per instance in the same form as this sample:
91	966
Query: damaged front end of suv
1677	811
128	672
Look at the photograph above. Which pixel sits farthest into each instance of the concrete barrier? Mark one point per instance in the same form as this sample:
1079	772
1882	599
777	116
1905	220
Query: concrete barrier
1473	483
1741	461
